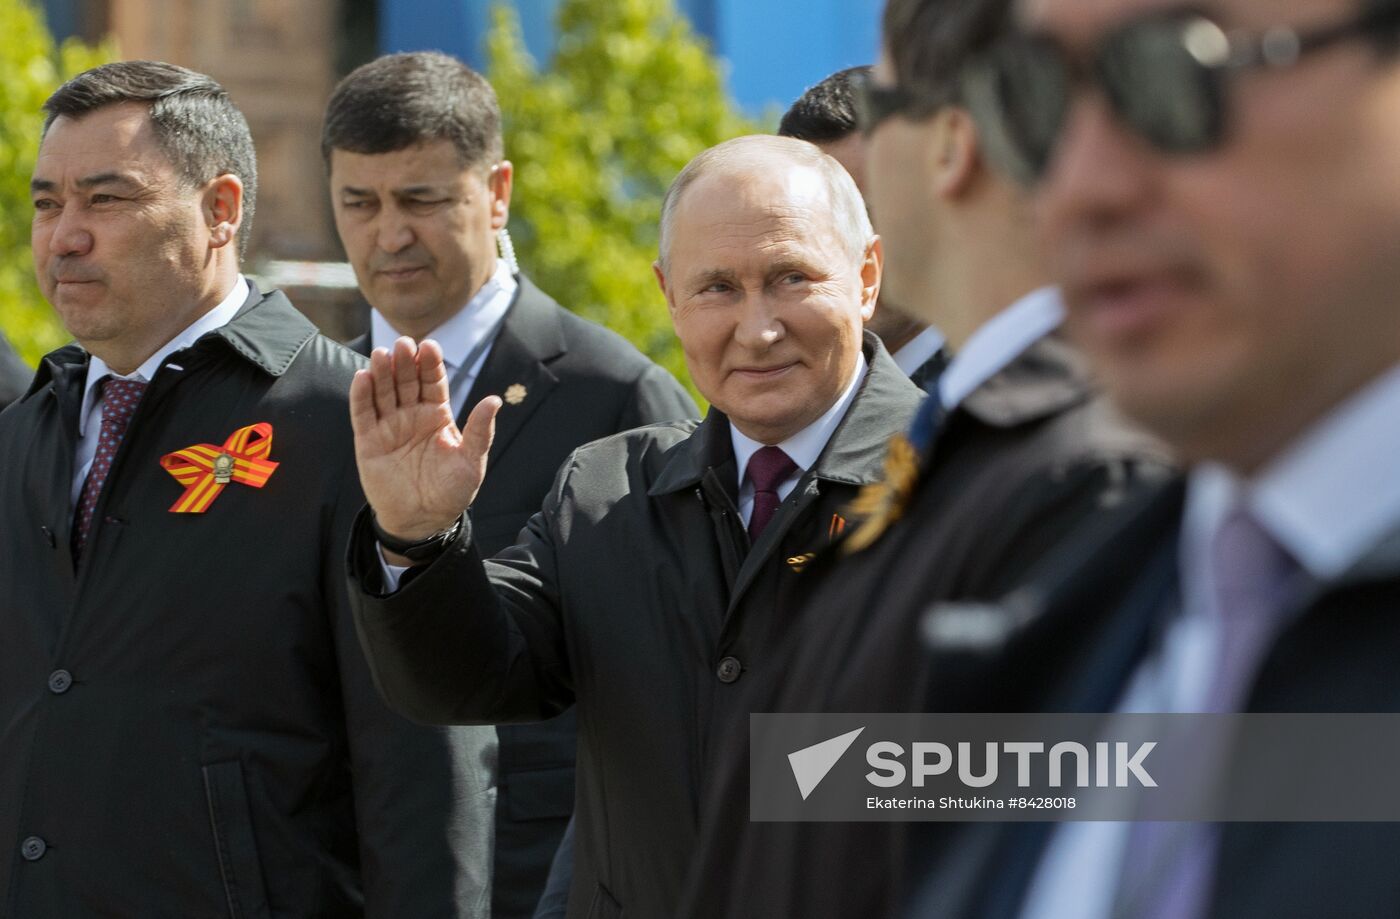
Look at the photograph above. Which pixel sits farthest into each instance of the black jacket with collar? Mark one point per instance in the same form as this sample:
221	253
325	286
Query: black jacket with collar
634	594
1025	460
1091	615
187	722
581	382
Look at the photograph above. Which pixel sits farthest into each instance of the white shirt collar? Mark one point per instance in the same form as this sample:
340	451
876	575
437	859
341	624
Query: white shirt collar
999	341
216	318
1329	497
918	350
463	329
807	444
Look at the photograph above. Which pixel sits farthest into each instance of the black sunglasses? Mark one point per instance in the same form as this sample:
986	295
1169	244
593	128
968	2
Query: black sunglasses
1164	75
874	103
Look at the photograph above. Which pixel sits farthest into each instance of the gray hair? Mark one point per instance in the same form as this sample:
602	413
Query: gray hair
763	150
194	121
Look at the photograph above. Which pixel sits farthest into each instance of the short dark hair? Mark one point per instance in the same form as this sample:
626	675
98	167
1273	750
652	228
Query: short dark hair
930	41
825	113
194	121
401	100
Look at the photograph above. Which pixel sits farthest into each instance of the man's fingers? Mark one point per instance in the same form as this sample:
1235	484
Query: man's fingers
381	368
406	371
432	375
362	413
481	428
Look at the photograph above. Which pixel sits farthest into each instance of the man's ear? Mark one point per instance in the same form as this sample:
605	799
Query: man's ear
871	270
956	152
660	272
501	181
223	209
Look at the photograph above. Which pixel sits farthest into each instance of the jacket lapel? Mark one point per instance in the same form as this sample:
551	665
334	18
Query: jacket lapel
1099	608
63	374
1048	378
516	369
853	457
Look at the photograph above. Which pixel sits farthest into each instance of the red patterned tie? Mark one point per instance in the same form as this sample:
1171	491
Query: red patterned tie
769	468
119	399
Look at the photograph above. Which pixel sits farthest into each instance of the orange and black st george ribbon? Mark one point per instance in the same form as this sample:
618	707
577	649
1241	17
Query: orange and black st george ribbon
204	469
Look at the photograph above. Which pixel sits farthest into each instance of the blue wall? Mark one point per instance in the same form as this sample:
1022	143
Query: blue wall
773	49
61	16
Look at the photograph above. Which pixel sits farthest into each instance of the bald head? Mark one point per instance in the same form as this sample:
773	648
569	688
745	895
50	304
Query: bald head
762	155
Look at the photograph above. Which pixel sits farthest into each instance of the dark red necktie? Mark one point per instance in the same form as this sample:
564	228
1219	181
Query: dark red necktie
769	468
119	400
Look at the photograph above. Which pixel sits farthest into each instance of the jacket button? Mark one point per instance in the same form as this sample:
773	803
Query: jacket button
60	681
33	849
49	537
729	670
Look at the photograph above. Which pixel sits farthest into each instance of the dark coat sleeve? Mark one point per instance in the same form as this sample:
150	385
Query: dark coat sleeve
464	641
424	796
656	396
15	374
554	902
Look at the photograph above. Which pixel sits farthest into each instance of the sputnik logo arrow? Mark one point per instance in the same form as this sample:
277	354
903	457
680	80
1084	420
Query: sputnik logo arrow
811	764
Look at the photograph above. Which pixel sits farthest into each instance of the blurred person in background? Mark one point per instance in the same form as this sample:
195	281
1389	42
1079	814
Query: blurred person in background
825	115
420	188
15	374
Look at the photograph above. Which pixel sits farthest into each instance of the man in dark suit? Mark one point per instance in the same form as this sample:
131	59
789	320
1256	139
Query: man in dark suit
188	724
659	579
825	115
1226	243
1014	450
14	374
420	190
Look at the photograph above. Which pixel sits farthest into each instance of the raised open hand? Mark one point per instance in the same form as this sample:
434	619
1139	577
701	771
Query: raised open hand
417	470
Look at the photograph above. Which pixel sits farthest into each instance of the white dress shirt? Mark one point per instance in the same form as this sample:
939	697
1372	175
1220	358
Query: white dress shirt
999	341
90	415
1327	499
462	332
802	448
918	350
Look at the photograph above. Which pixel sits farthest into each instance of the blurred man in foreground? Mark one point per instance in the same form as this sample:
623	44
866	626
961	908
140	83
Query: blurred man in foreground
1224	230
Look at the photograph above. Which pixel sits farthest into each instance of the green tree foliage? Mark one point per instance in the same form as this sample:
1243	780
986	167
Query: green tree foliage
32	67
631	95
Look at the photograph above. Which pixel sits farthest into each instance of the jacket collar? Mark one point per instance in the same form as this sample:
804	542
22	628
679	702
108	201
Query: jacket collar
531	336
267	331
855	453
1048	378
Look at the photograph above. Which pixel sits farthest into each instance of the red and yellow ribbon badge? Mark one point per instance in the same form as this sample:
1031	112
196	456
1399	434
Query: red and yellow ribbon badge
205	469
